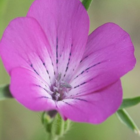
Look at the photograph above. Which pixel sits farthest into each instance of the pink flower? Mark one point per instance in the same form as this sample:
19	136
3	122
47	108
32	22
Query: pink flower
55	65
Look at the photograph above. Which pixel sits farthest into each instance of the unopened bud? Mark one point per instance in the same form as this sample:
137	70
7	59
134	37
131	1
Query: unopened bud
54	124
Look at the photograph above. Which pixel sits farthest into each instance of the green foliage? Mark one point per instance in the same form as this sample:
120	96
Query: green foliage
127	120
87	3
129	102
5	92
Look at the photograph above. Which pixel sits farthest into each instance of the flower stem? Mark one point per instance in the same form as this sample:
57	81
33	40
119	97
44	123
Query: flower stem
51	137
87	3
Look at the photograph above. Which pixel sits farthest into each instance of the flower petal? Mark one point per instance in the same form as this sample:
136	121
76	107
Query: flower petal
30	90
95	107
24	44
66	25
109	55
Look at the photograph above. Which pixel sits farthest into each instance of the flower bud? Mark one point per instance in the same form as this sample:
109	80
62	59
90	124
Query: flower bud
54	124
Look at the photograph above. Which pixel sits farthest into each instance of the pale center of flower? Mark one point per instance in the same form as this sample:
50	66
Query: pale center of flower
60	88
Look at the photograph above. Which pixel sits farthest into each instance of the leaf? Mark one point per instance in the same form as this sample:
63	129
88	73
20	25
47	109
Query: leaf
87	3
5	92
127	120
129	102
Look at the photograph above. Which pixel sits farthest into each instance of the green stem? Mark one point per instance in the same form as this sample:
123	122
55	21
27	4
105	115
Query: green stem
51	137
87	3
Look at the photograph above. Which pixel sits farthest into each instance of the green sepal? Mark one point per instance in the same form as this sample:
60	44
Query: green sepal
47	122
5	92
58	126
129	102
86	3
55	126
67	125
127	120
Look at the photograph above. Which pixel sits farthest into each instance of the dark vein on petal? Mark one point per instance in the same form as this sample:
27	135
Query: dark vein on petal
34	69
52	64
80	99
42	88
45	97
68	60
67	103
57	51
84	58
87	56
86	70
45	67
80	84
75	107
85	101
83	83
80	94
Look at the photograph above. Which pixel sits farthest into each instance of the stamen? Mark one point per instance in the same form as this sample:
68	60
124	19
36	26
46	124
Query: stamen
66	85
59	76
60	88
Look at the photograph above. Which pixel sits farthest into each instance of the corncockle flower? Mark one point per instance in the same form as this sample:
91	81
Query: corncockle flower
55	65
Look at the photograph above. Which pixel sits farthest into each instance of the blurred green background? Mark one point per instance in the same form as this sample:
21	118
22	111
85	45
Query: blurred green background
18	123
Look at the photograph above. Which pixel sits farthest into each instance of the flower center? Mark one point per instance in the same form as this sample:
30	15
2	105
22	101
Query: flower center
60	88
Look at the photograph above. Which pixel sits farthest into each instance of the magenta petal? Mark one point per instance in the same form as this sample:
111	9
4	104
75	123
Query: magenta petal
24	44
109	55
66	25
54	65
95	107
30	91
